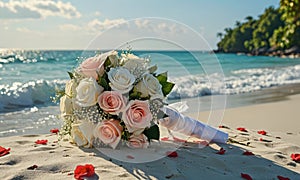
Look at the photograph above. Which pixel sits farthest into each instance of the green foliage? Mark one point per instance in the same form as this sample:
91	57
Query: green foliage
152	132
275	28
166	86
71	75
102	81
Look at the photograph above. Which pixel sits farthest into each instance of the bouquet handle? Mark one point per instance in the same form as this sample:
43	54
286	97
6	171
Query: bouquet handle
188	126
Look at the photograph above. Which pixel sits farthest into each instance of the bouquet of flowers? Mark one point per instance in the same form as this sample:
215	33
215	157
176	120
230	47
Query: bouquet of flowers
111	99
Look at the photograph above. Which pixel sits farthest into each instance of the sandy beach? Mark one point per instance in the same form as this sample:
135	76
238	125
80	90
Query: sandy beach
57	160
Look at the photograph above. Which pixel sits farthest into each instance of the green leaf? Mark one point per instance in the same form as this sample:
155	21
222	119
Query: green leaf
71	75
107	62
103	82
152	132
135	95
167	88
162	78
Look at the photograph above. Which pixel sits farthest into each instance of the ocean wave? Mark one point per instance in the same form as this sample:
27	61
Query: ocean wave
18	95
240	81
38	92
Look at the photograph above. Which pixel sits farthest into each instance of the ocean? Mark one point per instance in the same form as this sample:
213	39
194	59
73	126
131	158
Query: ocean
28	78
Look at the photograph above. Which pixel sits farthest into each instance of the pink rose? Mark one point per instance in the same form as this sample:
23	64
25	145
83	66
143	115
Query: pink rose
112	102
140	141
109	132
94	66
137	115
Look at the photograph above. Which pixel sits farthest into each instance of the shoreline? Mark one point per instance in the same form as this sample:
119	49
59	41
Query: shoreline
280	54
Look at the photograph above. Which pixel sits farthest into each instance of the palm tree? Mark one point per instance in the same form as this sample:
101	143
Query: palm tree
237	23
249	18
227	30
220	35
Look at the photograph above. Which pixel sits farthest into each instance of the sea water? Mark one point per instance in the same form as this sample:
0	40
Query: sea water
28	80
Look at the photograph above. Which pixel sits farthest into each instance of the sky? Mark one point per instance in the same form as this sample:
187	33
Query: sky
109	24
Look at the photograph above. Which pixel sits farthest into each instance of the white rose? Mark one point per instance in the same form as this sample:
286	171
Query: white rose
82	134
77	136
66	107
87	92
70	88
120	80
136	65
149	85
66	102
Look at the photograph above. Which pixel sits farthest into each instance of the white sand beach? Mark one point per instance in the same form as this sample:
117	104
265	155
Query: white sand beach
271	151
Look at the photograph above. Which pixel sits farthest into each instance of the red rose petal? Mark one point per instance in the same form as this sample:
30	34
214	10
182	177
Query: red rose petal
32	167
246	176
87	170
283	178
262	132
295	157
130	157
221	151
248	153
242	129
4	151
172	154
54	131
42	141
164	139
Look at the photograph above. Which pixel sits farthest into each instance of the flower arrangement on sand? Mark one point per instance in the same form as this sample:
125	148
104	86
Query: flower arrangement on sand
111	99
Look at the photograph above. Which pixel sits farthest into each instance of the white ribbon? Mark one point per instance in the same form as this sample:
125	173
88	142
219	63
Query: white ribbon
189	126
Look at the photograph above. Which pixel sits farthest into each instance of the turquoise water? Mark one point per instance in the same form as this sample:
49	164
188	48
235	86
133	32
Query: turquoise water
28	79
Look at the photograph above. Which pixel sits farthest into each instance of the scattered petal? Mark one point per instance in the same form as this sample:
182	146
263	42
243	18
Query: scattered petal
283	178
164	139
246	176
221	151
33	167
81	171
262	132
242	129
172	154
4	151
130	157
295	157
42	141
54	131
248	153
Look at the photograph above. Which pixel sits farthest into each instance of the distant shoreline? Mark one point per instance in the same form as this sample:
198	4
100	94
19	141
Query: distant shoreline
288	53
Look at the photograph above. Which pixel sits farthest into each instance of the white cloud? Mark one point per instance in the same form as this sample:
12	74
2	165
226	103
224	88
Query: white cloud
160	27
96	25
33	9
69	27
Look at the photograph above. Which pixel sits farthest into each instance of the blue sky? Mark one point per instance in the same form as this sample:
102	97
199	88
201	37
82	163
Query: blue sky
51	24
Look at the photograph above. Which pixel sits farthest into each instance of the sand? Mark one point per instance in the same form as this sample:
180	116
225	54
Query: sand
57	160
